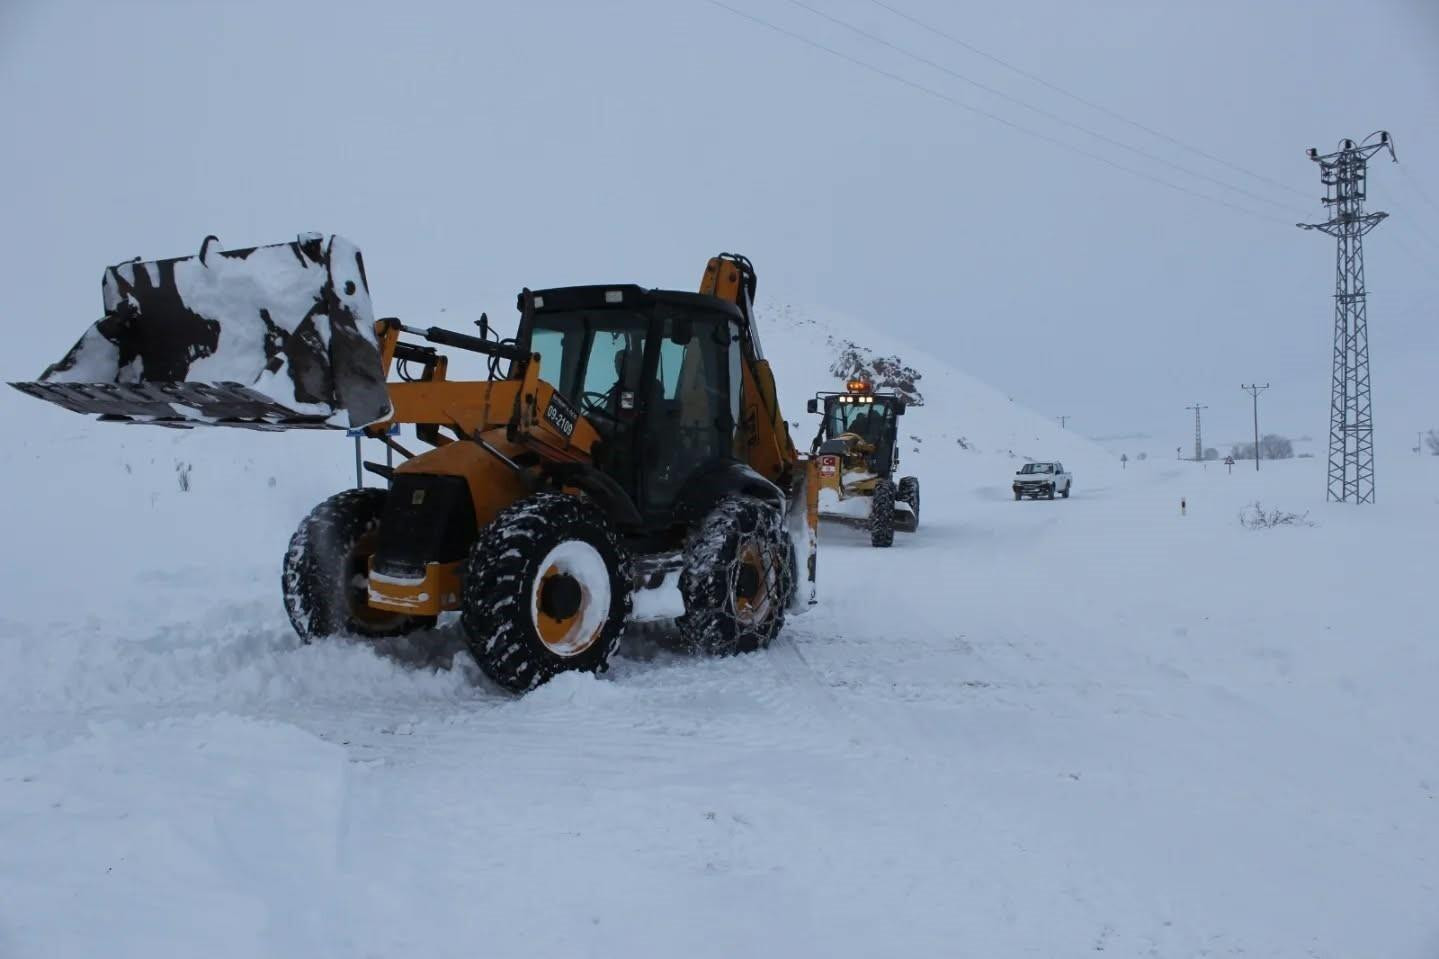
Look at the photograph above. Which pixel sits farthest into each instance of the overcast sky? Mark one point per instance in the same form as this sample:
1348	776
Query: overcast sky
471	148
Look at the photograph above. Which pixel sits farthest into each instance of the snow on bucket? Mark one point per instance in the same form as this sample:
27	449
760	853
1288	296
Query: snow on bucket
267	337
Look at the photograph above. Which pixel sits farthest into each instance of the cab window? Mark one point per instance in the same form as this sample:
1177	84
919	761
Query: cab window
694	403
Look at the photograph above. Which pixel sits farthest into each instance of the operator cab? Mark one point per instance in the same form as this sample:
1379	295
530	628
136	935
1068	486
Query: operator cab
872	420
657	373
870	416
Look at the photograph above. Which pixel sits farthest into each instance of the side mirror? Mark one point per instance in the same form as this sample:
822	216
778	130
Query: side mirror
900	407
812	406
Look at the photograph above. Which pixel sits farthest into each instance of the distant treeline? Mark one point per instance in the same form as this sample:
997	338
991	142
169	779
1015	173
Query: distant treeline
1272	446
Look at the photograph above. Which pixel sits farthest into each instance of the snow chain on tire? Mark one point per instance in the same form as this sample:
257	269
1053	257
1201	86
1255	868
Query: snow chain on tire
547	589
909	493
881	514
325	577
737	579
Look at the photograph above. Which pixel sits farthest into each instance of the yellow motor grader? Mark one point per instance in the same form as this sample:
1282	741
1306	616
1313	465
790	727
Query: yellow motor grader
626	441
857	454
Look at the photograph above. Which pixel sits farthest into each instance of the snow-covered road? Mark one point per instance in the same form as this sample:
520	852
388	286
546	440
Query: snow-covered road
1040	728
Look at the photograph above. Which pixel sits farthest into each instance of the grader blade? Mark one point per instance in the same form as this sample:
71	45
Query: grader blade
267	337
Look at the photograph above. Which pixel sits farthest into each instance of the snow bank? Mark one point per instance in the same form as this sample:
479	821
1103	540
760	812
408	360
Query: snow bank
1040	728
217	837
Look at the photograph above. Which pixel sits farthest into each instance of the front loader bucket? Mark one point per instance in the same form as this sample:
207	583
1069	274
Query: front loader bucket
268	337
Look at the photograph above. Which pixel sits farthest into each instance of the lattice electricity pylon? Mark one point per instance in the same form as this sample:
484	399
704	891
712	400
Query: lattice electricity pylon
1198	436
1344	174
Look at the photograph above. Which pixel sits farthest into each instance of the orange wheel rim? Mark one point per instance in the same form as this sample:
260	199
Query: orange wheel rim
555	631
752	585
570	599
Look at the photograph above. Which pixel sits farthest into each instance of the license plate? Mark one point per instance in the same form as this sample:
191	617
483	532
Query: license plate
561	415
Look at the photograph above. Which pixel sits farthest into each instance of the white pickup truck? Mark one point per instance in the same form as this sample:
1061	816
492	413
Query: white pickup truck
1042	479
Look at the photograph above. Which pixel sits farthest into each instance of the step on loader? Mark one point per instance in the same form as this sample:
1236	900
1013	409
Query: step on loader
625	459
857	454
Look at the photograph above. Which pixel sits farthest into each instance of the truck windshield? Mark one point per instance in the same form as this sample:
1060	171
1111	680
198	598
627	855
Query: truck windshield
1038	468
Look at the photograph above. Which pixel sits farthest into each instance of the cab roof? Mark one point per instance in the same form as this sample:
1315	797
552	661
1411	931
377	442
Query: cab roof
626	296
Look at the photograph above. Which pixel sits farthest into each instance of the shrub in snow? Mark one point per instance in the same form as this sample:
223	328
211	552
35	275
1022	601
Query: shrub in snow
182	474
1272	446
1255	516
1431	440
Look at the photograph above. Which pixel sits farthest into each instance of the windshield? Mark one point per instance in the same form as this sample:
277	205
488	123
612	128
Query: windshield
593	359
1038	468
869	420
666	404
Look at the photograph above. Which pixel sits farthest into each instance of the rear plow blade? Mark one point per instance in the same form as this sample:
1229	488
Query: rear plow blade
269	337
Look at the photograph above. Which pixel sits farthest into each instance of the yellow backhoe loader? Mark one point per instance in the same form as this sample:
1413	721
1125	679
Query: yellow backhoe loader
627	441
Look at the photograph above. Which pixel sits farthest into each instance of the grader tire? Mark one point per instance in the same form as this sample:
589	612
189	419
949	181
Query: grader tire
909	493
737	578
326	572
881	514
547	589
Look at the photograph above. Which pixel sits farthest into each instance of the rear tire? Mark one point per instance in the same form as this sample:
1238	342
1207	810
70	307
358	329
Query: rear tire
546	590
881	514
1065	494
326	571
909	493
737	578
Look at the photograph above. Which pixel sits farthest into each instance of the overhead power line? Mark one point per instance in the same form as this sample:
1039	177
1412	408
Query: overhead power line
1423	194
1087	102
1413	226
1047	114
956	102
1408	250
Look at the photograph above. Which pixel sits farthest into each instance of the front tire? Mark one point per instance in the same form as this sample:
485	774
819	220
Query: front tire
909	493
326	571
737	578
881	514
546	590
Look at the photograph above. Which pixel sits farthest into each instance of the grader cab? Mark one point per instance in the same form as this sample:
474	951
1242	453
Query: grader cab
626	440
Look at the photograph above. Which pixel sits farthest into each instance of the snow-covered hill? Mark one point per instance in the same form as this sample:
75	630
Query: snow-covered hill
964	424
1040	728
